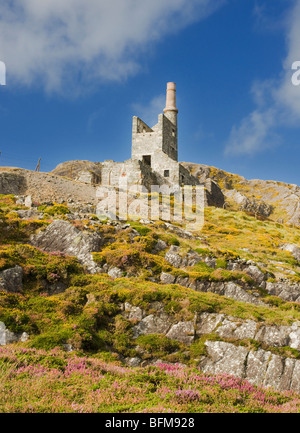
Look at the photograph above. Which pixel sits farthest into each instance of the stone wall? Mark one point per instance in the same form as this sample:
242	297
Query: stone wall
145	141
185	177
134	171
161	138
169	137
87	176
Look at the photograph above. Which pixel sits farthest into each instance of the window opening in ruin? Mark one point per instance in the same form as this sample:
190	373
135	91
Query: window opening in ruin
147	160
166	173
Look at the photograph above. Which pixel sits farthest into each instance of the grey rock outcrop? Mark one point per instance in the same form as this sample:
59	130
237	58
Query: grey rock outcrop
132	312
62	236
259	367
177	260
191	258
12	183
167	278
8	337
11	280
153	324
29	214
278	195
115	273
160	246
257	207
228	289
177	230
182	331
172	256
205	323
293	249
285	289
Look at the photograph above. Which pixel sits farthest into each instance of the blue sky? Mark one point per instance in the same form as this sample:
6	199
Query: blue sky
77	71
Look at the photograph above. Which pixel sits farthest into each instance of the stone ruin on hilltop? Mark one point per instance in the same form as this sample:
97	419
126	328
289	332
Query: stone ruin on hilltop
154	154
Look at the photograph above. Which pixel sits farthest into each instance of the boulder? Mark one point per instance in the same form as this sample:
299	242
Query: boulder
133	362
257	275
166	278
293	249
11	280
224	358
173	257
284	289
208	322
233	328
182	331
8	337
152	324
64	237
30	214
159	246
115	273
132	312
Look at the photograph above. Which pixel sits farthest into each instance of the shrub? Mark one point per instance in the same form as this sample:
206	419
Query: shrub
154	343
56	209
143	230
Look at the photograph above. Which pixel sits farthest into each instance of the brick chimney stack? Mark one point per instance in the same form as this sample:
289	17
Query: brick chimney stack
171	110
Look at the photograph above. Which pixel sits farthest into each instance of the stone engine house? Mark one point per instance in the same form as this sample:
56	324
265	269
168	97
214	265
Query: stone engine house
154	153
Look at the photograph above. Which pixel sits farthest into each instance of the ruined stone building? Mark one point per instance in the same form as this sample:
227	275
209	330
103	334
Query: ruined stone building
154	154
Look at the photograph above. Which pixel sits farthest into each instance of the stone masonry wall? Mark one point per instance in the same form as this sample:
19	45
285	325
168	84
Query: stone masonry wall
169	137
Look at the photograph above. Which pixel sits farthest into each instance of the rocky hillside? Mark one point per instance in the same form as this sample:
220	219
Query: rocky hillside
76	182
144	294
46	187
270	199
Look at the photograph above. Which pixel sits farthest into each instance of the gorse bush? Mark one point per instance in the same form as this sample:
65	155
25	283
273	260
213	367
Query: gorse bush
55	209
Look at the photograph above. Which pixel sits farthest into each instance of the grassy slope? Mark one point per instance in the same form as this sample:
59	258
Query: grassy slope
99	332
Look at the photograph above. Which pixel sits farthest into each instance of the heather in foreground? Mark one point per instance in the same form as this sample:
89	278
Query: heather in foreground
33	380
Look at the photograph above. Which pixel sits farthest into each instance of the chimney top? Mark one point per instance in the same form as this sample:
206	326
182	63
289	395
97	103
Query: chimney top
171	98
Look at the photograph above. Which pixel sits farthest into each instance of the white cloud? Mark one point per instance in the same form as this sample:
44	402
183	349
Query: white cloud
254	134
55	42
277	100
